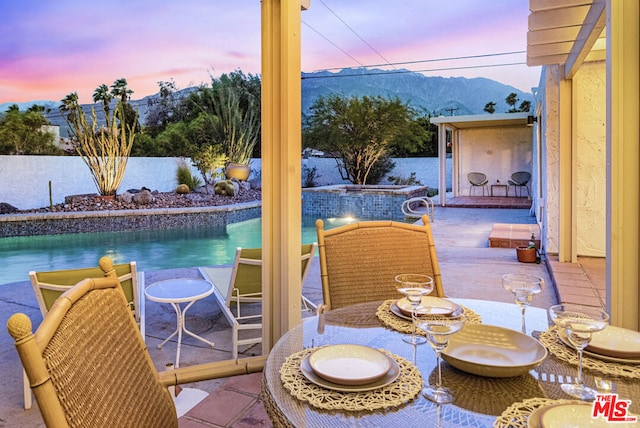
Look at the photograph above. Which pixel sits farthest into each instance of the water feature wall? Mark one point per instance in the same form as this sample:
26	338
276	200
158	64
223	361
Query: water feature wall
358	201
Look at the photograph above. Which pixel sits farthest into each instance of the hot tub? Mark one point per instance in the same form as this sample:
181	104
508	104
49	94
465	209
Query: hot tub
368	201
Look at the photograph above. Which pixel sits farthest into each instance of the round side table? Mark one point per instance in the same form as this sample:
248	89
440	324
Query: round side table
174	292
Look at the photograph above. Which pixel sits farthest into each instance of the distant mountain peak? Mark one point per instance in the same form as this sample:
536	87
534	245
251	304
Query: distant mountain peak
435	94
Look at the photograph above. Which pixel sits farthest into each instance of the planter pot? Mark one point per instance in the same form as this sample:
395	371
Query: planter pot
526	255
238	171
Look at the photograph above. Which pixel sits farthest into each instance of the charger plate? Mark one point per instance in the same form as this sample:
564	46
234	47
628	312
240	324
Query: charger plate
403	389
389	314
550	338
616	342
563	337
388	377
439	306
349	364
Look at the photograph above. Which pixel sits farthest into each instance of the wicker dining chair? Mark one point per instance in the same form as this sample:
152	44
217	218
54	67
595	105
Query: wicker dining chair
49	285
359	261
89	367
478	179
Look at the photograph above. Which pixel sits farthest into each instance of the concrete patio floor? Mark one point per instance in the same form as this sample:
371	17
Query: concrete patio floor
470	269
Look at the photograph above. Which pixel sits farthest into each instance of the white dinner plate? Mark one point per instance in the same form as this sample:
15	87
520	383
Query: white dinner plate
616	342
385	380
349	364
563	338
436	305
492	351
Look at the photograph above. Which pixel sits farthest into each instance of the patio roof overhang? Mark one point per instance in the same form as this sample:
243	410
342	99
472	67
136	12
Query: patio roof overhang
482	120
566	33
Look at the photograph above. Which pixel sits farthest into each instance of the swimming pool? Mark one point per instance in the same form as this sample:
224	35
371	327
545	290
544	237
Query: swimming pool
151	249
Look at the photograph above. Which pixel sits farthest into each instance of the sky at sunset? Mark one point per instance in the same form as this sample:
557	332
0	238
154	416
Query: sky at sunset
50	49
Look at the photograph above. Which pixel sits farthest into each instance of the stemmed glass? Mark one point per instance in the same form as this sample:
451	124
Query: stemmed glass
523	287
414	286
579	322
438	329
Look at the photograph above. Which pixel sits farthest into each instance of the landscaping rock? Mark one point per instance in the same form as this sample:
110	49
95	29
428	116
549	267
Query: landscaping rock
6	208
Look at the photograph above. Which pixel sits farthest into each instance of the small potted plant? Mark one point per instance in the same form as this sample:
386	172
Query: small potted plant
528	254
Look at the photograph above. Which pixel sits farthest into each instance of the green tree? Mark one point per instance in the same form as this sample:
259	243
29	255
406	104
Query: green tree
360	132
120	90
490	107
25	134
69	108
102	94
511	100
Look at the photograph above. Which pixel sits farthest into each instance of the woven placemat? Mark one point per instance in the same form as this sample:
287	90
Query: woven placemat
554	344
517	415
405	388
402	325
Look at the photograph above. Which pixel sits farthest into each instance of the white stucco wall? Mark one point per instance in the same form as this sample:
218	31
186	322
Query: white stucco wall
589	94
550	101
24	180
497	152
588	137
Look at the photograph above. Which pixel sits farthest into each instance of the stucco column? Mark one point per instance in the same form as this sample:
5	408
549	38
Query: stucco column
442	159
281	169
623	162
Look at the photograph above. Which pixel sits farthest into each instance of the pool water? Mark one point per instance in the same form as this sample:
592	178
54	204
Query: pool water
151	249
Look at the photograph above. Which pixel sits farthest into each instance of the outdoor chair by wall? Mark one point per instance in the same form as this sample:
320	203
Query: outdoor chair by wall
88	365
359	261
478	179
245	286
49	285
519	180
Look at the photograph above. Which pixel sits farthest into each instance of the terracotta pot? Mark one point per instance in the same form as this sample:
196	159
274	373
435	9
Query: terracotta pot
238	171
526	254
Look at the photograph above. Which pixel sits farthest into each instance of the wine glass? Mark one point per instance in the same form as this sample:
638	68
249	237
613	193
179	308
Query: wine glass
579	322
438	329
414	286
523	287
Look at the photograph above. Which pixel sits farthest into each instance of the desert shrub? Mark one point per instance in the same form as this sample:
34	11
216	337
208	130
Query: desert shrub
184	175
405	181
309	176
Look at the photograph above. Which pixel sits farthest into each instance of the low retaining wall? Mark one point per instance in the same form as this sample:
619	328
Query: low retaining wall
119	220
358	201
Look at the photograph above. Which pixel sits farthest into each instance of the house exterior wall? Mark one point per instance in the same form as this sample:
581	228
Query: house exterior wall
589	151
497	152
550	116
589	96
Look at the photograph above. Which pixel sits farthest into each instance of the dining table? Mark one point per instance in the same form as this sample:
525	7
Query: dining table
479	401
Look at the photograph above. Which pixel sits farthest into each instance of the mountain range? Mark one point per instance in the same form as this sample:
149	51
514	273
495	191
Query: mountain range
436	95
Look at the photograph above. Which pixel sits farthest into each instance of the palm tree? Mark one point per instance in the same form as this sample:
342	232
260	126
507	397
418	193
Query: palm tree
102	94
70	106
119	90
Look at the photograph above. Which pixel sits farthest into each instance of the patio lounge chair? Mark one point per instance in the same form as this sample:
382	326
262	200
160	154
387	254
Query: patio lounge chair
88	365
49	285
359	261
242	285
519	180
478	179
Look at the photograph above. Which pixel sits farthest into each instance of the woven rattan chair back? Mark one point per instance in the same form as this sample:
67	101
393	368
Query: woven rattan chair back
87	363
359	261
